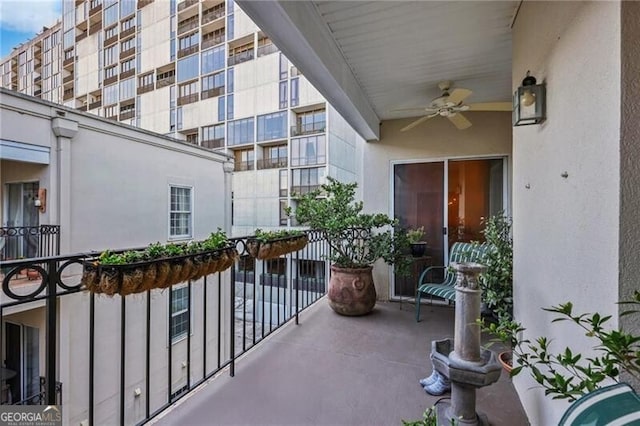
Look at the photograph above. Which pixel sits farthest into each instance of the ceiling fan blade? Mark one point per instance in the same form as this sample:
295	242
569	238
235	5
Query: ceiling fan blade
459	121
418	121
459	95
410	109
491	106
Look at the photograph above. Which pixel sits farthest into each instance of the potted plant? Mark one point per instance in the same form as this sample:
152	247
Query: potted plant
357	240
497	280
418	245
272	244
158	266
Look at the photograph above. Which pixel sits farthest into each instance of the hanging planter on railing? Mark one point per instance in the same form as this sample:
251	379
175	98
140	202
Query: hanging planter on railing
158	266
269	245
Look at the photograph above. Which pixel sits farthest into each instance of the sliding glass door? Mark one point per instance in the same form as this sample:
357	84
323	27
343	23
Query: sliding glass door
449	199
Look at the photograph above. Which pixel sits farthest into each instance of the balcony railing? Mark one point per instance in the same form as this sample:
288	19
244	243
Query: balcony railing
145	89
143	3
68	61
95	27
186	4
188	51
40	397
297	190
213	14
94	105
29	241
272	163
122	343
212	93
96	6
188	24
209	40
67	79
267	49
68	94
241	166
126	33
309	128
128	114
241	57
188	99
166	81
127	53
213	143
81	36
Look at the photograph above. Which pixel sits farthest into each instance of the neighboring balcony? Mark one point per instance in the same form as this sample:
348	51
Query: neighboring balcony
165	81
241	57
212	39
188	51
243	166
186	4
188	24
213	14
308	129
298	190
96	104
188	99
272	163
26	242
212	93
95	7
213	143
267	49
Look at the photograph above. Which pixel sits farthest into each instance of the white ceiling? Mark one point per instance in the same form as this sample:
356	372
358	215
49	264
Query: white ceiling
370	57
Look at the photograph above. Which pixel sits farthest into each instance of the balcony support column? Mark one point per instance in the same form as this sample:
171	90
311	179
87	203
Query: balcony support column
60	179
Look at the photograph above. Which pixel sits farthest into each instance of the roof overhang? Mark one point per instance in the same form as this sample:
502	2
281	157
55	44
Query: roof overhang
298	30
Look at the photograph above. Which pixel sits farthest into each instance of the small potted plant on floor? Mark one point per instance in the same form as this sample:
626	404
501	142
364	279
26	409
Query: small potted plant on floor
357	240
416	241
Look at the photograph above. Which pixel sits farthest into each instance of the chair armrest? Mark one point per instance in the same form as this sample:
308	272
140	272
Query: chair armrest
426	271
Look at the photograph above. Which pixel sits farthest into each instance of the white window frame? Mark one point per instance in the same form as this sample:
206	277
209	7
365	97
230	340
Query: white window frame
190	212
183	335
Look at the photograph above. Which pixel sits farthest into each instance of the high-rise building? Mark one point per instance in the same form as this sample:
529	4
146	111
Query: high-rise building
204	73
35	67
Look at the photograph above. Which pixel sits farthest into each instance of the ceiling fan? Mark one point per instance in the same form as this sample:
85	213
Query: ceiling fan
450	105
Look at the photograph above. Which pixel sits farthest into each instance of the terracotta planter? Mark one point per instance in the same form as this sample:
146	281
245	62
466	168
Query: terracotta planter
351	291
505	359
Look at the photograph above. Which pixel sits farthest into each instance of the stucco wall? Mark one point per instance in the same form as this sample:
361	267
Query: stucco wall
566	229
629	170
490	135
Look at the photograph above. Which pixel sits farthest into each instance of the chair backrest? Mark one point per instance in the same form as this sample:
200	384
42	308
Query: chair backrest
612	405
463	252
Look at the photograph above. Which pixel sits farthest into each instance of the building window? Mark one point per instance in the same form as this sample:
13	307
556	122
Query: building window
277	266
229	107
188	41
230	81
110	72
308	151
230	26
110	94
295	100
111	55
275	157
244	160
213	85
127	89
180	206
111	111
283	94
272	126
213	59
128	65
110	15
146	80
111	32
192	138
221	104
127	7
179	326
240	131
188	93
283	213
128	24
128	44
188	68
213	136
284	66
306	180
284	182
310	122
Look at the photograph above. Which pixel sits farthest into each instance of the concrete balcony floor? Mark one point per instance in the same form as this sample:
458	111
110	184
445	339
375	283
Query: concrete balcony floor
334	370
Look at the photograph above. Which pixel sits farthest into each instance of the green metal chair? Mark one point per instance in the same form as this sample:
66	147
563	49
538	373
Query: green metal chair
612	405
460	252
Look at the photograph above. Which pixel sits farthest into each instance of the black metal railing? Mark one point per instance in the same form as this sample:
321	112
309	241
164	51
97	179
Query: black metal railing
272	163
24	242
119	352
308	128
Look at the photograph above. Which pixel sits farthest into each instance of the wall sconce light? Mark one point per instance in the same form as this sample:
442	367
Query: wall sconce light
529	102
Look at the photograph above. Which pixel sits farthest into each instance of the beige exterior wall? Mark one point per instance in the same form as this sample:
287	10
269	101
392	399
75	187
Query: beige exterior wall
113	192
566	229
437	139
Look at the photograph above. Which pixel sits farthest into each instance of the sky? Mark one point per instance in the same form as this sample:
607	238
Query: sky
20	20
